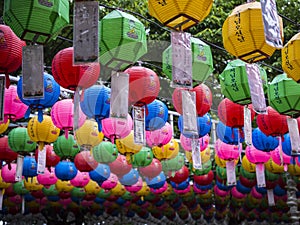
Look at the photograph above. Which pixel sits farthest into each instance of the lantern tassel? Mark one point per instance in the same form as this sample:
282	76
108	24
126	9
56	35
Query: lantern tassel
7	81
40	115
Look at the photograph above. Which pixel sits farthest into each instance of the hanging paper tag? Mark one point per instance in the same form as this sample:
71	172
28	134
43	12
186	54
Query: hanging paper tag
271	23
85	32
230	171
19	169
181	60
196	154
23	205
76	110
280	150
1	198
260	175
41	161
256	89
2	96
33	72
189	113
119	95
294	135
139	125
271	199
247	126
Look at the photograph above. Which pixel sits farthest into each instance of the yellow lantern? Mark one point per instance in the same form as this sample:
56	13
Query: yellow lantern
205	155
63	186
32	184
88	136
221	162
44	132
168	191
118	190
206	195
180	14
272	167
144	191
92	188
291	58
248	166
127	147
168	151
3	184
243	33
294	169
4	126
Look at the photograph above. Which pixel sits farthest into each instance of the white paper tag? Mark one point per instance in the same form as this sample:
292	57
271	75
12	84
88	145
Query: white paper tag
139	125
189	113
33	72
247	126
260	175
271	23
119	95
230	171
196	154
19	169
256	89
41	163
2	96
271	199
181	59
294	135
85	32
1	198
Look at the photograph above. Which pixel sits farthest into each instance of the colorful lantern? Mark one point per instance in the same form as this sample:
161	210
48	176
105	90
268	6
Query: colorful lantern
80	180
226	151
63	187
186	143
152	170
256	156
143	158
157	115
100	173
85	162
20	142
205	179
156	182
202	61
244	37
262	141
280	158
228	135
29	167
130	178
66	147
234	82
171	166
65	170
180	176
8	174
120	166
51	158
6	154
32	184
167	151
159	137
105	152
124	45
48	178
179	15
4	126
110	183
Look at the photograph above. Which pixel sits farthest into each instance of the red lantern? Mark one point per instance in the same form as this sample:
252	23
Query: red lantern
180	175
144	85
70	76
153	170
273	123
10	50
85	162
51	158
120	166
204	179
6	154
232	114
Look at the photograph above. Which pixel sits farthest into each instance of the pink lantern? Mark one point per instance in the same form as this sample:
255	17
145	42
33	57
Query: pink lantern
81	179
280	158
115	128
160	190
86	203
160	136
256	156
65	202
236	194
14	108
153	170
62	114
48	178
135	187
17	199
220	192
186	143
110	183
120	166
255	194
9	175
182	192
227	151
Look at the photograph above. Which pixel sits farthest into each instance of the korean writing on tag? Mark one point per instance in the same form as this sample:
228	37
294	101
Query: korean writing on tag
260	175
139	125
41	163
271	199
230	172
119	95
294	135
181	60
19	169
2	96
271	22
196	154
33	72
190	126
247	126
85	32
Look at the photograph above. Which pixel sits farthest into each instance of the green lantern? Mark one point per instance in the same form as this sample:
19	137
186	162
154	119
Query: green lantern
206	167
234	82
221	172
19	141
36	20
271	176
173	165
51	191
78	192
19	188
103	194
247	174
127	196
122	40
143	158
66	148
105	152
202	61
284	95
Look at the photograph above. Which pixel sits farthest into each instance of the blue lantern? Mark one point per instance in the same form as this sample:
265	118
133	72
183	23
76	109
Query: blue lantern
157	115
51	95
96	103
65	170
261	190
120	201
181	186
100	174
156	182
29	167
130	178
53	198
28	197
279	191
223	187
228	135
241	188
286	144
204	187
263	142
99	200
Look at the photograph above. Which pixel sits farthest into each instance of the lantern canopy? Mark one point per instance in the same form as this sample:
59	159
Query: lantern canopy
243	33
284	95
180	14
66	147
234	82
123	45
37	21
19	141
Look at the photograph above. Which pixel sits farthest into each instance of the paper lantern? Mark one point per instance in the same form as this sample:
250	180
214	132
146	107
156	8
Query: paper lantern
71	76
65	170
66	147
280	158
186	143
19	188
205	179
4	126
6	154
120	166
36	21
167	151
181	175
123	45
8	174
85	162
228	135
156	116
202	61
48	178
100	173
262	141
130	178
110	183
143	158
32	184
160	136
105	152
171	166
272	123
135	187
244	36
29	167
80	180
156	182
234	82
179	15
20	142
144	85
256	156
42	132
152	170
205	156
